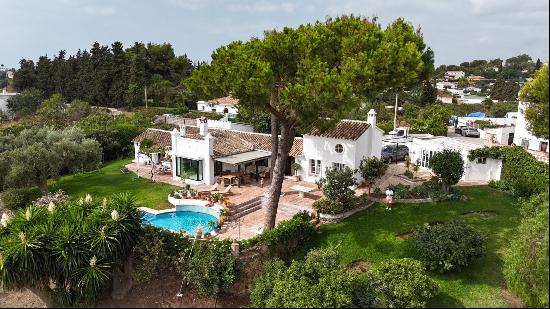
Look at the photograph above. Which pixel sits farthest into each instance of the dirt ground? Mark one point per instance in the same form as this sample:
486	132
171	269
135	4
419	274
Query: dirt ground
157	293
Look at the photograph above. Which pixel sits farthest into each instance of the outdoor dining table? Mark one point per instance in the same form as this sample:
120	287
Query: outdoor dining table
231	177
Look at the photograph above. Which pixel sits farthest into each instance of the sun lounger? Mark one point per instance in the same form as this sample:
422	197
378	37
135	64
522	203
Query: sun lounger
227	190
214	187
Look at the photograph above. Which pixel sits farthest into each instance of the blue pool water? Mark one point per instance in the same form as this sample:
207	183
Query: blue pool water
181	220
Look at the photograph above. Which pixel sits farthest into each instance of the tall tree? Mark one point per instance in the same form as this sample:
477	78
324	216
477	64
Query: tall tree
535	94
25	77
504	90
312	76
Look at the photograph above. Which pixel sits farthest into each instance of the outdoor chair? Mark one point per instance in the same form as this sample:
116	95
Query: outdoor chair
214	187
227	190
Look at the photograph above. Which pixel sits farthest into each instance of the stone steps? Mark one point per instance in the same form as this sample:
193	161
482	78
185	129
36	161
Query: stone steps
245	208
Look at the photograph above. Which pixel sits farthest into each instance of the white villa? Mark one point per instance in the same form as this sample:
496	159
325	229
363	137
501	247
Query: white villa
205	153
226	105
523	137
481	169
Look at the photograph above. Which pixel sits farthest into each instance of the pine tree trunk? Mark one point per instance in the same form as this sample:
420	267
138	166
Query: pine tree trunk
274	131
287	138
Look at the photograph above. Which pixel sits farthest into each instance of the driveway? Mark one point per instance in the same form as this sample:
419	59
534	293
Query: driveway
475	140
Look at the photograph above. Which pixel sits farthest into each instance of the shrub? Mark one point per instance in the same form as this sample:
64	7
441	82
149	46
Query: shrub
409	174
526	260
318	282
371	169
404	283
449	166
337	182
20	197
328	206
157	250
447	246
286	237
521	172
211	269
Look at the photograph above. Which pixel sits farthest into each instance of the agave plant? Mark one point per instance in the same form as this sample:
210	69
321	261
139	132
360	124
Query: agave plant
76	246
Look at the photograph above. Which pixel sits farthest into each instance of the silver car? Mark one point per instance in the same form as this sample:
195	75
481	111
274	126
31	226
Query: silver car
470	132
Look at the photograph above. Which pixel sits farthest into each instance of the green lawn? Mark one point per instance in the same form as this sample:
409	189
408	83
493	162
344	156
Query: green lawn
370	235
109	180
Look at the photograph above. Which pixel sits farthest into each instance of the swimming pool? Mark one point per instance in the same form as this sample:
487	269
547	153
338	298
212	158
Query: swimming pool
181	220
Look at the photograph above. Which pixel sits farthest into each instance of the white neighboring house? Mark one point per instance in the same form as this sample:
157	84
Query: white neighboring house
444	97
471	99
445	85
523	137
481	169
226	105
4	96
204	153
455	75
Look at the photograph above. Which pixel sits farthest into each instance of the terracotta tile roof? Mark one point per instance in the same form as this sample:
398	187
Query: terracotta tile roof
226	142
229	100
344	129
157	136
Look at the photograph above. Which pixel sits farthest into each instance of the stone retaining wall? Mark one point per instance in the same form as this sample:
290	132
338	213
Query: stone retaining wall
330	218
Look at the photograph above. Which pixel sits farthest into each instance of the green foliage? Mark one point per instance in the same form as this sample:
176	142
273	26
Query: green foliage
327	206
451	245
483	124
157	250
409	174
25	103
371	169
110	75
211	269
38	154
521	172
404	283
76	246
448	165
15	198
337	182
286	238
432	119
504	90
317	282
428	189
535	94
526	260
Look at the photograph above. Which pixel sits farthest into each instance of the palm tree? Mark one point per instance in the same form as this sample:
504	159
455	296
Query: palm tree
76	246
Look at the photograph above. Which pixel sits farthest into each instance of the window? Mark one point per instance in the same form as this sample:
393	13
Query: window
338	166
192	168
202	107
218	168
315	166
339	148
263	162
481	160
425	156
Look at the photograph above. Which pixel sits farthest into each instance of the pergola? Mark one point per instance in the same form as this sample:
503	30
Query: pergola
245	157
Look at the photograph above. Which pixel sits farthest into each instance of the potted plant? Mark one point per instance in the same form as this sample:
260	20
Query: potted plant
216	197
296	167
212	225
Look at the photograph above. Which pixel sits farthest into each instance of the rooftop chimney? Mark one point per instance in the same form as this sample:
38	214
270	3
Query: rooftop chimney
203	126
371	117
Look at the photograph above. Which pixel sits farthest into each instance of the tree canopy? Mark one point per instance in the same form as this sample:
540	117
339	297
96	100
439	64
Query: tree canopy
312	76
448	165
38	154
535	94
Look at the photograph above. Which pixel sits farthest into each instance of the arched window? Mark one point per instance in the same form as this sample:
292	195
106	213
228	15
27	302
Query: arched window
339	148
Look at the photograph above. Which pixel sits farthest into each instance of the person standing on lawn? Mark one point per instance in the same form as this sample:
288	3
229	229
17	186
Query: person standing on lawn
389	198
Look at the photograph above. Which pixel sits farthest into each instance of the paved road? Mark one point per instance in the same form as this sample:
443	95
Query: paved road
451	133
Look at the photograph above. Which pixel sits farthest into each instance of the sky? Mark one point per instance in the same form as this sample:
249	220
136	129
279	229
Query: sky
457	30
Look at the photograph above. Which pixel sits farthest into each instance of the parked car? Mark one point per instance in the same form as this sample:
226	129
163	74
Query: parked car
392	153
459	129
470	132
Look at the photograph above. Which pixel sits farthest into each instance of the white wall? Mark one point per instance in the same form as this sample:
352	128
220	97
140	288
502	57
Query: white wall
196	150
523	133
473	171
498	121
501	134
218	108
227	125
321	148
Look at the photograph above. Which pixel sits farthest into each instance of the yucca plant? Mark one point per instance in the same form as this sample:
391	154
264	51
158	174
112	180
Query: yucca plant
67	254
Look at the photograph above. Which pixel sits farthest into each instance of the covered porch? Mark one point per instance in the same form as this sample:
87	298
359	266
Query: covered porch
242	168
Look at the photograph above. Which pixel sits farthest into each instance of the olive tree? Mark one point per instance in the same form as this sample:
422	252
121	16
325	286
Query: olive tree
449	166
312	76
371	169
67	253
38	154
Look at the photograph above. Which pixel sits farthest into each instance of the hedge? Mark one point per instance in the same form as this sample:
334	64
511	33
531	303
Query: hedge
521	172
20	197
